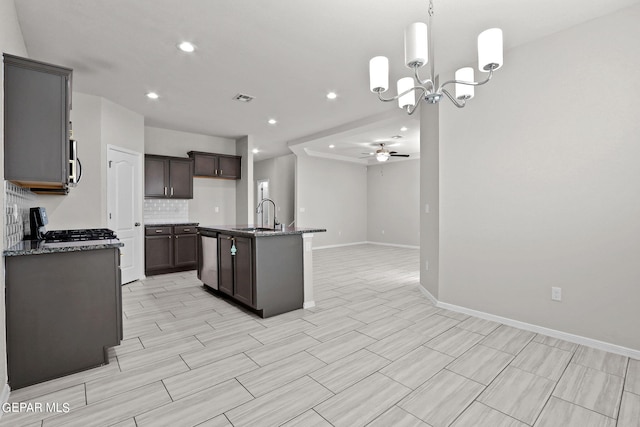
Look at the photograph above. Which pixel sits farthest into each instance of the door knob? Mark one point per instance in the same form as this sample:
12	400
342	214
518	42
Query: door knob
137	224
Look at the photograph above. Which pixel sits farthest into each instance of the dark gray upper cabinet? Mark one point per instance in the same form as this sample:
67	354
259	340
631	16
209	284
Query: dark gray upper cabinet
212	165
37	100
168	177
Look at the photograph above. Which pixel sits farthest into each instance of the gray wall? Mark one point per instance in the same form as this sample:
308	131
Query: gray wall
245	203
333	195
393	200
430	198
96	123
208	194
11	41
541	185
280	171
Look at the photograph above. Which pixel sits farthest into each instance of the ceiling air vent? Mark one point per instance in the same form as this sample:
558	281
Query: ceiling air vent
241	97
397	137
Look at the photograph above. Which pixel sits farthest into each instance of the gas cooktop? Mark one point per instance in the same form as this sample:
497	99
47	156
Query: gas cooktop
78	235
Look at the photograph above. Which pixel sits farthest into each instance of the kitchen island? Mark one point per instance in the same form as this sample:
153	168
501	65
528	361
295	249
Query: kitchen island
269	271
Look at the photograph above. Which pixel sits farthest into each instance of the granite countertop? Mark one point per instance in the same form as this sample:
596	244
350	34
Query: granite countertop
168	224
234	229
36	247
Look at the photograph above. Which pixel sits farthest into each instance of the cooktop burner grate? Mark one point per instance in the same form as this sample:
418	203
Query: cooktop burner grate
79	235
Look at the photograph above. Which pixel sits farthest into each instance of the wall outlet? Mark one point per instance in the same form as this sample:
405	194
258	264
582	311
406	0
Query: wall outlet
216	209
339	233
426	208
426	265
302	210
382	231
556	294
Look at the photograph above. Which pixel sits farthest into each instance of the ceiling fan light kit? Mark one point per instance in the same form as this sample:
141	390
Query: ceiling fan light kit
382	154
417	38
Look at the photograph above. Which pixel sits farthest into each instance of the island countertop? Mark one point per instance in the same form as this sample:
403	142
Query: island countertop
243	230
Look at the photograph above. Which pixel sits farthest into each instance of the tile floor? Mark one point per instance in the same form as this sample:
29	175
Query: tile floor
374	351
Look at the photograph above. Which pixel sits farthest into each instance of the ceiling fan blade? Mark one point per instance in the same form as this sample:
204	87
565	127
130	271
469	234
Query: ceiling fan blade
399	155
393	152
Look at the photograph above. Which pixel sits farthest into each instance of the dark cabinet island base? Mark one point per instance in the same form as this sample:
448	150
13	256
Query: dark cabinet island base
261	270
63	311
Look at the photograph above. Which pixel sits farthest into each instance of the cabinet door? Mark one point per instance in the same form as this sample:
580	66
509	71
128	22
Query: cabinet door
205	165
156	177
243	290
36	125
229	167
185	250
225	266
158	252
181	178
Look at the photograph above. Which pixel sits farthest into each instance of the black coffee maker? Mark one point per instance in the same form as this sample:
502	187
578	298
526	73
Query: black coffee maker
37	221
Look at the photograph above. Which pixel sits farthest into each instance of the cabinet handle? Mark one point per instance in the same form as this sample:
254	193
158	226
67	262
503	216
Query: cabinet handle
177	237
171	191
186	230
158	231
221	172
215	172
165	191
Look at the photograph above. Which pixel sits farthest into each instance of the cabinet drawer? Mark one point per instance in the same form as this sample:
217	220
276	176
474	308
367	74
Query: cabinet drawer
184	229
157	231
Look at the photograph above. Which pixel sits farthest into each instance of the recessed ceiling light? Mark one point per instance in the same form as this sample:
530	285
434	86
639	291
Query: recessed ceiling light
255	151
186	47
332	95
332	146
152	95
404	129
272	121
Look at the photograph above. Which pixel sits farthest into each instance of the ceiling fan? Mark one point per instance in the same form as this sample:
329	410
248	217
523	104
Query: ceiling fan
382	154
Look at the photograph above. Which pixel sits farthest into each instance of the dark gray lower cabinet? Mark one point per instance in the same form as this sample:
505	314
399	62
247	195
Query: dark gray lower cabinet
63	311
170	249
226	265
263	273
236	271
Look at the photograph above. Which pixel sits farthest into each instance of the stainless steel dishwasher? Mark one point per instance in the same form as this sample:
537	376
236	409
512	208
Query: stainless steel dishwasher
209	272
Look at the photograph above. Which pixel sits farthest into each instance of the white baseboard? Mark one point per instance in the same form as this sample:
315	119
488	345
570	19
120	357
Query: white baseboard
577	339
308	304
340	245
394	245
4	396
366	243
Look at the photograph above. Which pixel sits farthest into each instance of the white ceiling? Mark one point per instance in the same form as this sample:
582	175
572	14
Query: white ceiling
286	53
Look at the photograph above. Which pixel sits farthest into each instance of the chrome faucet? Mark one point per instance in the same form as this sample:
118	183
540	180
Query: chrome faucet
260	208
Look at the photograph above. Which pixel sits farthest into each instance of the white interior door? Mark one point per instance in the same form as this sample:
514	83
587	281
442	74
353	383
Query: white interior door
124	208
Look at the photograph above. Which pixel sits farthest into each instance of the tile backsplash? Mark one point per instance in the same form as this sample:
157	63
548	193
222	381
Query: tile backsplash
17	202
165	210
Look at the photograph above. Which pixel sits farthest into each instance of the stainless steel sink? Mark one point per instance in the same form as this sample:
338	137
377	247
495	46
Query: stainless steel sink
254	229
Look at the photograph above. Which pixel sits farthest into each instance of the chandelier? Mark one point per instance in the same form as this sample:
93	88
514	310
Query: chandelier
417	41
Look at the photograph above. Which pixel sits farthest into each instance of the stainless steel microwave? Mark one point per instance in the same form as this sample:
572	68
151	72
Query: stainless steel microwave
75	167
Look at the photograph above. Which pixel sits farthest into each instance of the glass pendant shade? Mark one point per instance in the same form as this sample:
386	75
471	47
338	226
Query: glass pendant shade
379	74
382	157
464	91
416	46
408	99
490	49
